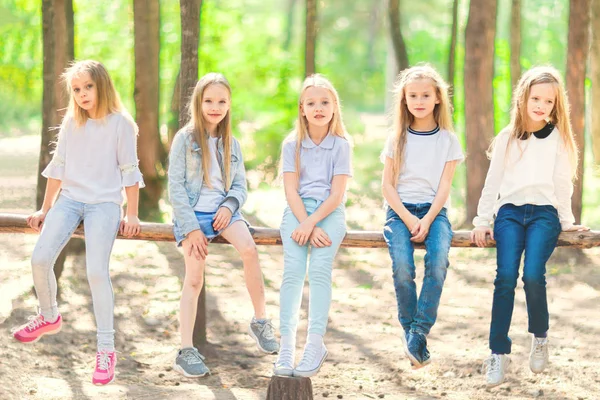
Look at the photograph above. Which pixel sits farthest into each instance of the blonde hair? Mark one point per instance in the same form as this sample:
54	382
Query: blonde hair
559	116
107	98
336	125
197	125
402	117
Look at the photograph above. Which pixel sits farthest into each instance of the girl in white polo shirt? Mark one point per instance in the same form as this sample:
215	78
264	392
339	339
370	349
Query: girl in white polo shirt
95	158
420	158
528	189
316	166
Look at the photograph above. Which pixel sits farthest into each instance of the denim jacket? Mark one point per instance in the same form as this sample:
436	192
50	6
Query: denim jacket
186	179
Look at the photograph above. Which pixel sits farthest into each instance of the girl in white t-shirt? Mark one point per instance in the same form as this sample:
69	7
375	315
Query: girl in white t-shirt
419	158
95	158
528	188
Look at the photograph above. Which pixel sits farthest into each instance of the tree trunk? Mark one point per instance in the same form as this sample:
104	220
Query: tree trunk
190	39
374	26
577	55
146	92
452	52
17	223
479	102
396	34
284	388
173	124
310	37
291	6
58	49
595	75
515	43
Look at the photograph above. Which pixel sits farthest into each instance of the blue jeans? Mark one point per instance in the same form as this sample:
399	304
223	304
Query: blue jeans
101	222
533	229
319	270
418	315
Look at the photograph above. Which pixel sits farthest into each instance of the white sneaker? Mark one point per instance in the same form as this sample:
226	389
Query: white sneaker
497	365
284	366
314	356
538	358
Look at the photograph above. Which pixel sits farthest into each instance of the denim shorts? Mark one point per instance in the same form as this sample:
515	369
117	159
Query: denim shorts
205	220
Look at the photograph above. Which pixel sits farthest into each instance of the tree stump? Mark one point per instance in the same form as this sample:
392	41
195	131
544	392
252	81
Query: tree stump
289	388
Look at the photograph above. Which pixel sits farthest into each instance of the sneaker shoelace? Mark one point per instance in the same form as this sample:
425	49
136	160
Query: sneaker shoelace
310	353
192	358
267	330
103	360
35	321
538	350
492	364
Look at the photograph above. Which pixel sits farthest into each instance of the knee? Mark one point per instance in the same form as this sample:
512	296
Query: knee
194	282
533	280
41	261
506	281
249	252
402	266
320	274
96	276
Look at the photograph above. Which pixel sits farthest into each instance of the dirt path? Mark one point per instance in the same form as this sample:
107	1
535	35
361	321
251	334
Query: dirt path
366	360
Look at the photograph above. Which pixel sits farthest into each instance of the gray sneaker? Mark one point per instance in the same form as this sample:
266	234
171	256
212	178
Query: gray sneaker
190	363
264	334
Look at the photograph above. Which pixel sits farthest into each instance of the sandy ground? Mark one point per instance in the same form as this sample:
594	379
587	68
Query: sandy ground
366	360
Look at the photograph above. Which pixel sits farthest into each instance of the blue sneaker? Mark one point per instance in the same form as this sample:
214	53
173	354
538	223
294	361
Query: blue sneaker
190	363
415	347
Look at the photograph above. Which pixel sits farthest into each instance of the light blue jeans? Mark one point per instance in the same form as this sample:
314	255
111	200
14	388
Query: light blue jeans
319	270
101	223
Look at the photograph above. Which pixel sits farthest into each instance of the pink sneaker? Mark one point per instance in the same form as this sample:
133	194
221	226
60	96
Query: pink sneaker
105	367
32	331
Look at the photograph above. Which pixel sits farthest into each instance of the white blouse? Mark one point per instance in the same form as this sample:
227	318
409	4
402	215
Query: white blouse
532	171
95	161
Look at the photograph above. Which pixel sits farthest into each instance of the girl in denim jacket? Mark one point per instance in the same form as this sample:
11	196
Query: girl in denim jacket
207	189
316	167
420	158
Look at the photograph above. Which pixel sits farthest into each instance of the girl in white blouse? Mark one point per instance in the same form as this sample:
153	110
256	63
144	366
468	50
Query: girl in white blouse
95	158
528	188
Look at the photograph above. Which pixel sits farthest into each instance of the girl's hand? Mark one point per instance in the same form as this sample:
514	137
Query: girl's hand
479	235
420	230
222	218
36	220
196	244
302	233
412	223
130	226
318	238
577	228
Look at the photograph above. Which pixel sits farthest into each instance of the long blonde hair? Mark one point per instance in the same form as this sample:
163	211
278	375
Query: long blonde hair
442	112
107	98
197	125
336	125
559	116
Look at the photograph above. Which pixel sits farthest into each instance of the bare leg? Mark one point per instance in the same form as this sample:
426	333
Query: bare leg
192	285
239	236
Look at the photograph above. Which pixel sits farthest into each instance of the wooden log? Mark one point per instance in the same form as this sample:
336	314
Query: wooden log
289	388
17	223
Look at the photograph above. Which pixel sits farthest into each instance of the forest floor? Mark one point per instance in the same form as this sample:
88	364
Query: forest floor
366	360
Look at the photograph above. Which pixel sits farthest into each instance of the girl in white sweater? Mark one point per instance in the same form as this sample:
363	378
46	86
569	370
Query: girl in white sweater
528	188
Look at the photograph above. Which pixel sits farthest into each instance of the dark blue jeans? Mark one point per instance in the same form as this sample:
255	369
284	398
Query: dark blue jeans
418	315
533	229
